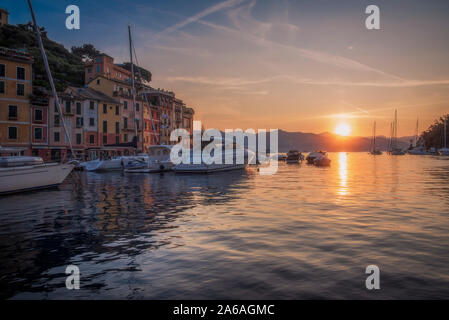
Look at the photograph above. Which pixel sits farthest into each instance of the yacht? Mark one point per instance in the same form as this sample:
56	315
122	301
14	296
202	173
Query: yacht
313	155
322	161
203	167
294	156
112	164
374	151
156	160
23	173
418	151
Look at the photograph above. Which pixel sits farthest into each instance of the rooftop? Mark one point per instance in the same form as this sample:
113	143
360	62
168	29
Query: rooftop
16	55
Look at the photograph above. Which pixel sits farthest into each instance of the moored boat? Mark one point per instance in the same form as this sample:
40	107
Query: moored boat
322	161
294	156
112	164
24	173
313	155
157	160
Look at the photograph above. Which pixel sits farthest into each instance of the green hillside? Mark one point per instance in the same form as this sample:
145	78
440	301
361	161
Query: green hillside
66	67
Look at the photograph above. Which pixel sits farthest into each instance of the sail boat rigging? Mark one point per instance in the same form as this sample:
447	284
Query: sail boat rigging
394	149
374	151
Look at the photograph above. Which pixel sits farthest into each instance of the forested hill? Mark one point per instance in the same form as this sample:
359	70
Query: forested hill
66	67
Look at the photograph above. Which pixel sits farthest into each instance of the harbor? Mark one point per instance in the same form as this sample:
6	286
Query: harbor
234	235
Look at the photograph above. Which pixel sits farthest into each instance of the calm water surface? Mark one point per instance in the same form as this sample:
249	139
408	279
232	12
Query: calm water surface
305	232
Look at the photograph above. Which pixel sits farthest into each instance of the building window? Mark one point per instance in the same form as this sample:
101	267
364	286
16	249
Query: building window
91	122
78	138
125	104
68	108
78	108
79	122
20	90
37	133
91	139
105	127
125	138
137	107
117	139
12	113
20	73
38	115
105	108
12	133
98	70
98	80
89	70
105	139
125	123
2	70
2	86
117	127
56	137
56	120
117	110
92	105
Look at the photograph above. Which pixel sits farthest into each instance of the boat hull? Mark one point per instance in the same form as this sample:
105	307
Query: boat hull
21	179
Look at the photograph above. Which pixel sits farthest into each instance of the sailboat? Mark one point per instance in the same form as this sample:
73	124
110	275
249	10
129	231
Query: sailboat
417	150
23	173
374	151
394	150
445	150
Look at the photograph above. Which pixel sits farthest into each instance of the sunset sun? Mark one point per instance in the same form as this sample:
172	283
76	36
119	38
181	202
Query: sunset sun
343	129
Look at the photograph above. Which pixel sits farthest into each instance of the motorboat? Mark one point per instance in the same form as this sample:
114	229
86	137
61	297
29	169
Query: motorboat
294	156
322	161
156	160
200	166
111	164
444	152
23	173
313	155
397	152
418	151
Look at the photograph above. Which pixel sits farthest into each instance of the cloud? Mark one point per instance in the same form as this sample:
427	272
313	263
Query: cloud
215	8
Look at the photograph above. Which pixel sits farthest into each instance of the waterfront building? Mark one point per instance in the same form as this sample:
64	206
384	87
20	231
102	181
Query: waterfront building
72	115
39	123
3	16
15	92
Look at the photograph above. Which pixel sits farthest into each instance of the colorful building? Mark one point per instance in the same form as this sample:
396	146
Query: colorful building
15	92
3	16
39	123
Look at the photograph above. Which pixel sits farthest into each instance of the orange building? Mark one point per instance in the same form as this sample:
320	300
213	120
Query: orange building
15	92
3	16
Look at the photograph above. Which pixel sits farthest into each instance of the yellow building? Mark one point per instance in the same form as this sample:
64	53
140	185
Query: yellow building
15	91
3	16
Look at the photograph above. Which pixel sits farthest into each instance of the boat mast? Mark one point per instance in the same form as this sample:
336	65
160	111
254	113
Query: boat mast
416	133
50	77
374	137
133	92
445	133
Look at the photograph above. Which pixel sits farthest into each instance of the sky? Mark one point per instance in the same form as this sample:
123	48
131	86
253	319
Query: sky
294	65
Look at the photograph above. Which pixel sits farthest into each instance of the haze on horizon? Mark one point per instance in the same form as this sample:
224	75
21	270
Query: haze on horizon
295	65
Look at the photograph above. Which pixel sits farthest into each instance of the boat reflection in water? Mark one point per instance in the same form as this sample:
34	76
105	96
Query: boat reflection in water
304	232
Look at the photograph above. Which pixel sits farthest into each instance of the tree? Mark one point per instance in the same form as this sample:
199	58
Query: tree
434	135
85	52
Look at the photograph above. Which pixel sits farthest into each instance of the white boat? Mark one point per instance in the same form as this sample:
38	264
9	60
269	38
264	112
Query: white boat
294	156
22	173
112	164
444	151
313	155
157	160
322	161
215	167
419	151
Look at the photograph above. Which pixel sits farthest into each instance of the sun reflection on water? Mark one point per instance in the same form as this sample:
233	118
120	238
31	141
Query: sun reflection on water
343	171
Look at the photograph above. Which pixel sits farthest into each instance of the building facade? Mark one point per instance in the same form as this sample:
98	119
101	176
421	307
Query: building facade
3	16
15	92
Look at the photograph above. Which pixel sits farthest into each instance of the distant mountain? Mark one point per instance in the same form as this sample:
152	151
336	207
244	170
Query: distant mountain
306	142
